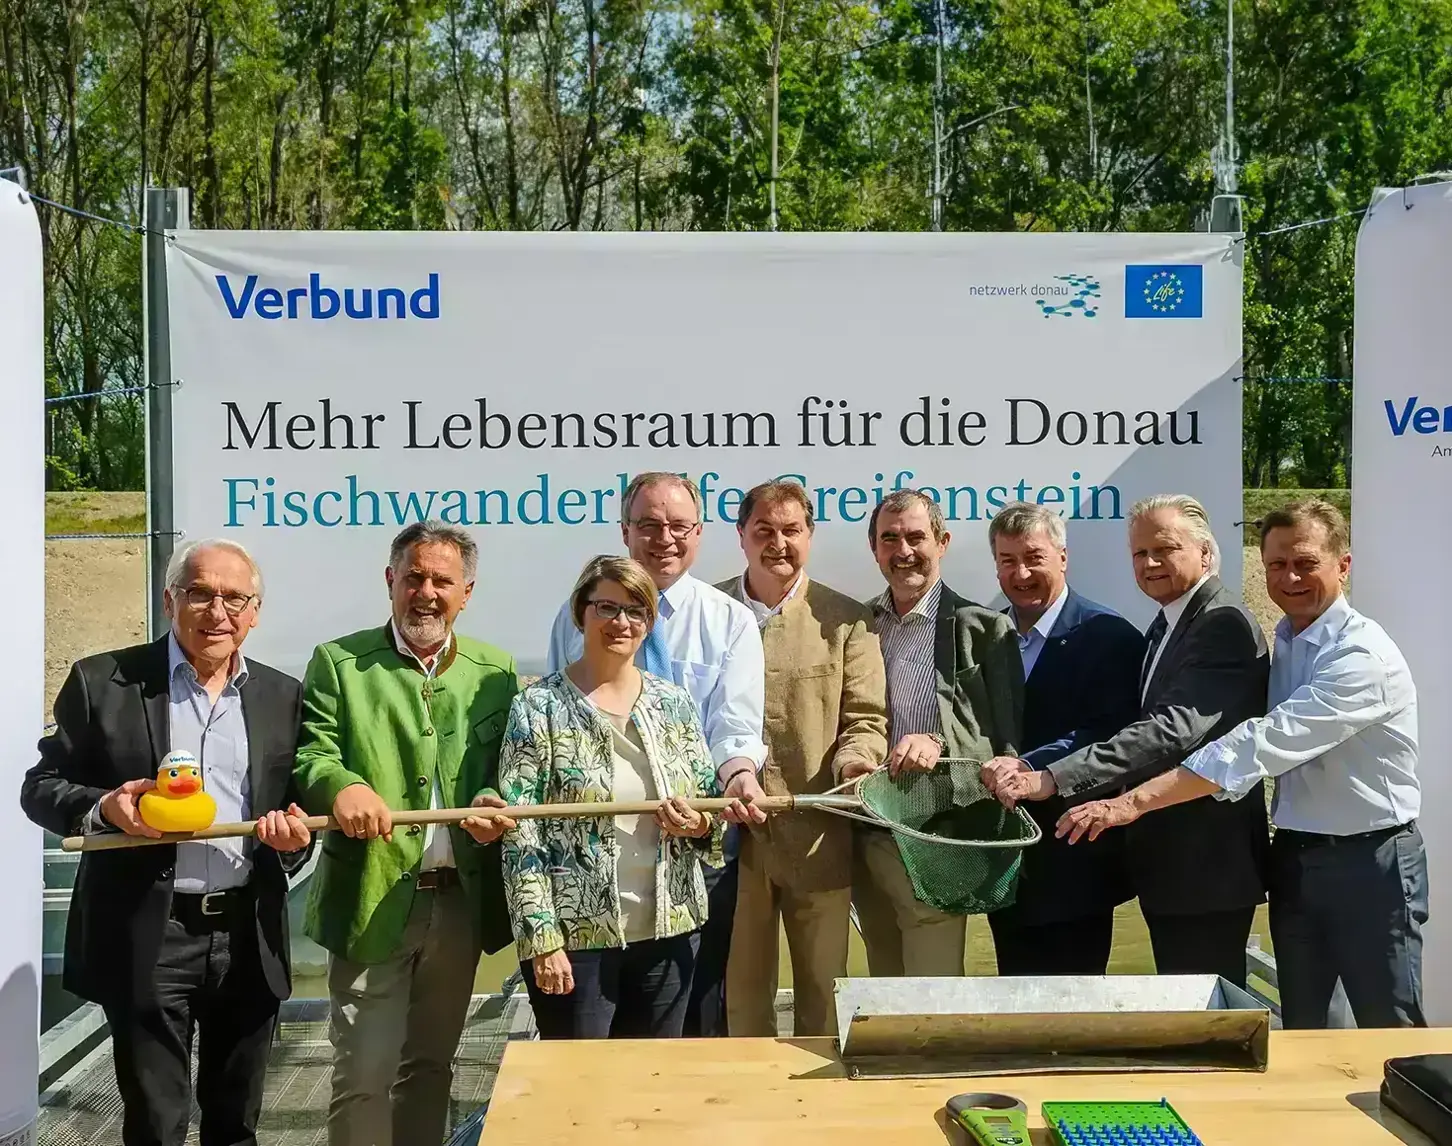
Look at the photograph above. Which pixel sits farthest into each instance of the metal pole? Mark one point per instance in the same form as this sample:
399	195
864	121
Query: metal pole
166	209
1232	183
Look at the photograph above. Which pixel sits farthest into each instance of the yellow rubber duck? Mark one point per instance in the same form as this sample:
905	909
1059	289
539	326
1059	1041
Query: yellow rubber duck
178	804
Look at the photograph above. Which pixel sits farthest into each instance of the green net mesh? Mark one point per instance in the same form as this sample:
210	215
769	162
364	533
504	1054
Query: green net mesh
960	846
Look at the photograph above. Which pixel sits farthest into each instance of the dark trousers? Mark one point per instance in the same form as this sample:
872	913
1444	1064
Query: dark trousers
1070	947
636	991
706	1014
1349	909
1208	944
208	981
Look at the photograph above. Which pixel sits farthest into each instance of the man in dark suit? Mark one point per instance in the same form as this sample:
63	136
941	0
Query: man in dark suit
1198	868
1081	665
169	938
954	689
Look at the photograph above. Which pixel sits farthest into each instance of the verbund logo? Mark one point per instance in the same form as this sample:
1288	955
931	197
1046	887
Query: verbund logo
320	303
1421	419
1174	291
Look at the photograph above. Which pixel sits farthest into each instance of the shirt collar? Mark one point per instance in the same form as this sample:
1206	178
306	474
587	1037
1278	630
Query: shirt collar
764	611
678	595
1176	608
1045	624
176	659
405	651
1319	631
927	605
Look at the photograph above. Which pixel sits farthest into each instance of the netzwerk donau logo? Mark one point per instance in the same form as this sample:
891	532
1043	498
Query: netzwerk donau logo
1173	291
1083	297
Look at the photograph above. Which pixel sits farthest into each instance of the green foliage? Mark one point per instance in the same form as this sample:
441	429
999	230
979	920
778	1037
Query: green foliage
983	115
1259	502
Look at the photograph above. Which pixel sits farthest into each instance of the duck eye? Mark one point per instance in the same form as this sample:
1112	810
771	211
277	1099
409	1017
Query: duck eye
175	773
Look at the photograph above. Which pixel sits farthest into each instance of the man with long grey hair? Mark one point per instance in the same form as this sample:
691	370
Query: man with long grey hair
1198	868
407	715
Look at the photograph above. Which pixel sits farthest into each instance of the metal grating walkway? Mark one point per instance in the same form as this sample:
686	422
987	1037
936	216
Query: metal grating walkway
83	1108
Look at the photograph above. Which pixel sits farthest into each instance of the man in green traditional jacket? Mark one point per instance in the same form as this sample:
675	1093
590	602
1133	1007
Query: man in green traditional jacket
407	715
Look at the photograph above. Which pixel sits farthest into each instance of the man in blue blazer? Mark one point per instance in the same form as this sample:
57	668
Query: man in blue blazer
1081	664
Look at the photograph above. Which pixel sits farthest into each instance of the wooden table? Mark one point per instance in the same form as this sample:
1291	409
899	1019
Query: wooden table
1321	1090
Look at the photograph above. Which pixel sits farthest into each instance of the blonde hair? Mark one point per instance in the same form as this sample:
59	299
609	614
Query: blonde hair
1197	520
629	574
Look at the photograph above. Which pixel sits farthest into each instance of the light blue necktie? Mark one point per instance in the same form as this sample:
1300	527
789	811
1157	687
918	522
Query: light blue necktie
653	656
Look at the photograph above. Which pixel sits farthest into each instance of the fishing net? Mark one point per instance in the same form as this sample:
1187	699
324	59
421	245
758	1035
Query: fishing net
960	846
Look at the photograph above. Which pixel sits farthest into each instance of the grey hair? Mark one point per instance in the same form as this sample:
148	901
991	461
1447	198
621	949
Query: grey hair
1019	518
1197	520
902	500
652	478
431	531
182	558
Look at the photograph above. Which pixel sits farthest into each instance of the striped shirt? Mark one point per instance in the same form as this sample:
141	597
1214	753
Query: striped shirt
912	678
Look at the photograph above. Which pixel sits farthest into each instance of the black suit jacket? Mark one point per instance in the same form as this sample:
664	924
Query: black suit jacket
113	725
1084	688
1205	855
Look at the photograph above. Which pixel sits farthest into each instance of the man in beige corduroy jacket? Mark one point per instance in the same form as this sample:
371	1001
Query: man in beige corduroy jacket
826	721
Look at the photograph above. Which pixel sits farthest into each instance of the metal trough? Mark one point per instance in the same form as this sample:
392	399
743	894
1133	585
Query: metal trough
926	1028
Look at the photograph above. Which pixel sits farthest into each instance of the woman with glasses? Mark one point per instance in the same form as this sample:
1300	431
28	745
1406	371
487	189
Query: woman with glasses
607	911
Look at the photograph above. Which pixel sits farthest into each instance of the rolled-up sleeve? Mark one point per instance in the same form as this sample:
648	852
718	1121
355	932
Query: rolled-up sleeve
1348	691
734	716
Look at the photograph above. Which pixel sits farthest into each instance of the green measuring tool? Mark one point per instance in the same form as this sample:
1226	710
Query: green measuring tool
991	1119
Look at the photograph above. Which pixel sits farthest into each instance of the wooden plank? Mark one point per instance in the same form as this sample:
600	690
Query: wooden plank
1321	1088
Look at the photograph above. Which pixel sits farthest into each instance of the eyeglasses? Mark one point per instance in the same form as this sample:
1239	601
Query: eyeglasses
679	530
609	610
234	603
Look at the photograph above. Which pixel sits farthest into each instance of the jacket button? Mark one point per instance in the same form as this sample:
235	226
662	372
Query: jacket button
407	876
428	731
413	831
423	781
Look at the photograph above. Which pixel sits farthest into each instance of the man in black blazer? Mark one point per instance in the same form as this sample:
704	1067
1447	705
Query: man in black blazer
169	938
1081	663
1198	868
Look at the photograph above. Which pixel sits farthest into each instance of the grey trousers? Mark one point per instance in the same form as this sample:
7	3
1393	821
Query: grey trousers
1353	910
395	1027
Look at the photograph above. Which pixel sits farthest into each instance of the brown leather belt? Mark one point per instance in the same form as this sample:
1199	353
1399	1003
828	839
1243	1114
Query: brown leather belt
439	877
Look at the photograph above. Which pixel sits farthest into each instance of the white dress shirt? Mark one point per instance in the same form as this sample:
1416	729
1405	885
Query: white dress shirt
1173	612
1032	643
715	649
765	613
1341	735
438	848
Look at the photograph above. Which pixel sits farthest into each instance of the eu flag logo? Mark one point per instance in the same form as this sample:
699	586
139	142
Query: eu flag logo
1176	291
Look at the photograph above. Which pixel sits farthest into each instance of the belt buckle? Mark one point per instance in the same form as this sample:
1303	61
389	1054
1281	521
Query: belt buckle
209	898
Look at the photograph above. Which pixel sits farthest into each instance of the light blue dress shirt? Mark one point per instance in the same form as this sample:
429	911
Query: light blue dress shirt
216	735
1032	643
1340	738
716	656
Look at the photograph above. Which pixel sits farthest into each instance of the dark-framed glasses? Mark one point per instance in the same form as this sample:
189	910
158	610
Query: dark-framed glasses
234	603
679	530
609	610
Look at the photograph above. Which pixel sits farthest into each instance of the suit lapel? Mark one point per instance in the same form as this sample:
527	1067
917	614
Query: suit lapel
255	753
1064	625
945	654
1196	606
156	699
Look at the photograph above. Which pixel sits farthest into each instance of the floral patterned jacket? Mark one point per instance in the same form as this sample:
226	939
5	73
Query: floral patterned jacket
560	876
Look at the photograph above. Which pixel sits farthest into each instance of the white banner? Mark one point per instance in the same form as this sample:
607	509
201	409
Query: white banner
22	633
335	386
1401	475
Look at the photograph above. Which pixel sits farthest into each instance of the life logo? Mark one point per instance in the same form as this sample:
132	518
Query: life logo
320	302
1176	290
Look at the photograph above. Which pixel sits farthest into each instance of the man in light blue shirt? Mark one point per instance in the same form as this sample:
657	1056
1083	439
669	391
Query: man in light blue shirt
1348	869
709	643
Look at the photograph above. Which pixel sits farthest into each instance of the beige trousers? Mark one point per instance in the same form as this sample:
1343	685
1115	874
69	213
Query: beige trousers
903	935
395	1027
816	925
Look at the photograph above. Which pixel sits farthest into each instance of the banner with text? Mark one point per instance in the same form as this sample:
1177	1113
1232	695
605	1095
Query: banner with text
1402	448
336	386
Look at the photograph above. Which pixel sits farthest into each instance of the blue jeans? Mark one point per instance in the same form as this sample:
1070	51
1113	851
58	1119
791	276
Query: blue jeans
1353	909
636	991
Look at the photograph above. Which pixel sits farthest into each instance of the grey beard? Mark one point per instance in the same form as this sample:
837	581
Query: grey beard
423	631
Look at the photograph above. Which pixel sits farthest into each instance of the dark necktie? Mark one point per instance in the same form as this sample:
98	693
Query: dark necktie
1155	634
